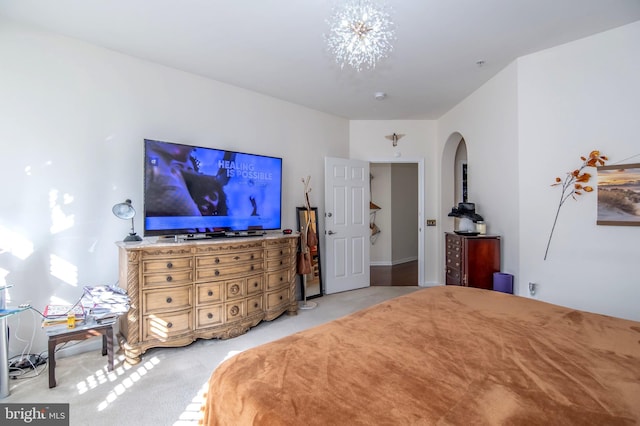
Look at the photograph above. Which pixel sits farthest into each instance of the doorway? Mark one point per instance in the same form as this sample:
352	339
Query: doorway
395	222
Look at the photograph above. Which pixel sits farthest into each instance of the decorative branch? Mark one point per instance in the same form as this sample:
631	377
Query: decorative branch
572	185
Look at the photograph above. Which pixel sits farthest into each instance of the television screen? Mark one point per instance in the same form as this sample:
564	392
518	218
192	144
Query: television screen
198	190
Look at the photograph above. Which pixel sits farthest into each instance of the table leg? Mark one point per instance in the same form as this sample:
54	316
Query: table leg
108	339
52	363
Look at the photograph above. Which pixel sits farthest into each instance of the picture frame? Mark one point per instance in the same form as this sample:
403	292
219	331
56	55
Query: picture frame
619	195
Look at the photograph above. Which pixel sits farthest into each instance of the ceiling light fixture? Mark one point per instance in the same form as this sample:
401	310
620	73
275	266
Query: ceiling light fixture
360	33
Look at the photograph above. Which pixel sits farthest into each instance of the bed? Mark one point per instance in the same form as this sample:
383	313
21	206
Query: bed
444	355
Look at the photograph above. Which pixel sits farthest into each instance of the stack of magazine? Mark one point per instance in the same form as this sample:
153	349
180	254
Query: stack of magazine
105	303
57	314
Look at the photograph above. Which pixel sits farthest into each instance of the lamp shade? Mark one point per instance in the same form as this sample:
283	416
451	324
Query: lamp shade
465	210
124	210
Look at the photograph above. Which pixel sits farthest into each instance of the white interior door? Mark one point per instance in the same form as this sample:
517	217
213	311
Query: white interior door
346	198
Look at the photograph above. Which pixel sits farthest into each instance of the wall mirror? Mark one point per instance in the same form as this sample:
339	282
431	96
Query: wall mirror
312	282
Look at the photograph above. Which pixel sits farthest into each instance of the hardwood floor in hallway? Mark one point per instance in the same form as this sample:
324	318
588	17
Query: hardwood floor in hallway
403	274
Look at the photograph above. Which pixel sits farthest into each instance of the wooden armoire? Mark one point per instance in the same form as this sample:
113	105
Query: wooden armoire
471	260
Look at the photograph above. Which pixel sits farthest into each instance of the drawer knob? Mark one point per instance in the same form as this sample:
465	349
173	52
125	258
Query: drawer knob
234	311
236	258
169	278
234	289
281	278
216	273
255	284
255	305
169	324
169	265
216	261
252	267
209	293
209	315
169	300
280	297
281	251
252	257
281	262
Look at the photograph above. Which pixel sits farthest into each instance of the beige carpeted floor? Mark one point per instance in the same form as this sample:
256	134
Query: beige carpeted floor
166	387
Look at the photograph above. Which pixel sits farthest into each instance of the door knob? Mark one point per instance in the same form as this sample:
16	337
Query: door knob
330	232
329	215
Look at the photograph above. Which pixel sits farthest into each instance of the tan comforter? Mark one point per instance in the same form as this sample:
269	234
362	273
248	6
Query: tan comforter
443	355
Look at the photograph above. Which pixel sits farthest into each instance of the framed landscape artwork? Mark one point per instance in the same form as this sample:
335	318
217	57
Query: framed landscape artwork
619	195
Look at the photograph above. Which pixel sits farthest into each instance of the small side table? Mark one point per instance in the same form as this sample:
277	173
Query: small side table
59	335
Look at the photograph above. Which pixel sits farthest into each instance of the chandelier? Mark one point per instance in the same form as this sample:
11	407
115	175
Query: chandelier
360	34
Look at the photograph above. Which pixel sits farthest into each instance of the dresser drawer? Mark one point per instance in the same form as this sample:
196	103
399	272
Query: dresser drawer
453	260
279	251
170	278
165	300
227	259
255	304
278	278
165	326
166	265
235	289
208	293
229	271
209	316
277	298
255	284
277	263
235	310
453	276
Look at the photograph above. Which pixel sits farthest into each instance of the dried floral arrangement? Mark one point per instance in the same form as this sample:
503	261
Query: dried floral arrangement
574	184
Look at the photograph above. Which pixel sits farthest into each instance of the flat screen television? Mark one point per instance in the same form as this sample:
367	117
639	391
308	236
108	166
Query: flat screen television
198	191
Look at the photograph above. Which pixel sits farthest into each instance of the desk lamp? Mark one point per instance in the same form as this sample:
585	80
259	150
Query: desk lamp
126	211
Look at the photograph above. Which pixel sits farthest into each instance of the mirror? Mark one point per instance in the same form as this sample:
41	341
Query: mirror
311	283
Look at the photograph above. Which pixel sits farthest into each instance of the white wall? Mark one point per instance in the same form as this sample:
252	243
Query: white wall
573	99
488	122
72	121
531	123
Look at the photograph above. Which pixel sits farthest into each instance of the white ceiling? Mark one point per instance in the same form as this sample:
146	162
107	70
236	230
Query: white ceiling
276	47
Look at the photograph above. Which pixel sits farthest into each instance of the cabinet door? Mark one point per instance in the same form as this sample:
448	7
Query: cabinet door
481	259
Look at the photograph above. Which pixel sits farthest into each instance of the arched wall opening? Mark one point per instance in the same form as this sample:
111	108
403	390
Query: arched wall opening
454	187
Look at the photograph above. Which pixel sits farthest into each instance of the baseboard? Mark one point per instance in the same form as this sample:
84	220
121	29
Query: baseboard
405	260
393	262
380	263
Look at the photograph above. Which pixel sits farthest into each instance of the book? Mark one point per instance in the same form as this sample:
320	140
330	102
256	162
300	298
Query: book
61	311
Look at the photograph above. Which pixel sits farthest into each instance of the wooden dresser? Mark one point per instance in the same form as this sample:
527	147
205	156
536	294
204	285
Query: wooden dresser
471	260
183	291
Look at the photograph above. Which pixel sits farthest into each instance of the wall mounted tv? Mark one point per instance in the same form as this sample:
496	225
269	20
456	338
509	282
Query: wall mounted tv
197	191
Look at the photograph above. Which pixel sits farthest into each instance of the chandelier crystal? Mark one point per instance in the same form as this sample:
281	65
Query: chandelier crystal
360	34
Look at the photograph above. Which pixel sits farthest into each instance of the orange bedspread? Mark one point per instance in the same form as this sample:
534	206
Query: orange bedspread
443	355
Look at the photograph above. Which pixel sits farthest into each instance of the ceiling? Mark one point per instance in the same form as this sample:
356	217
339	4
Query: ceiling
276	47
